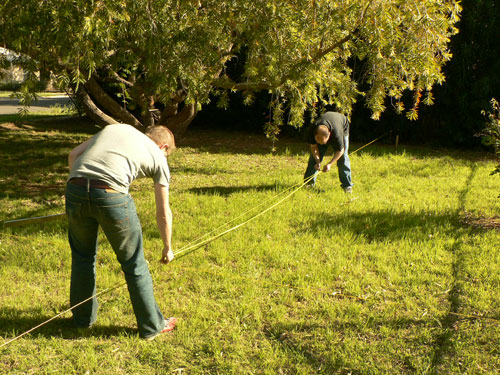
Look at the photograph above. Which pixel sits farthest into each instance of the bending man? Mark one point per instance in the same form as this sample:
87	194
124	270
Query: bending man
332	129
101	171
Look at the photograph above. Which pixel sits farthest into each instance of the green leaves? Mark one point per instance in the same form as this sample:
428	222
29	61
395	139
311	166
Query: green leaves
304	52
491	133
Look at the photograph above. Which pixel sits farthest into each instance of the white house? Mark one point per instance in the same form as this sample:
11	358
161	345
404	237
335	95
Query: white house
14	73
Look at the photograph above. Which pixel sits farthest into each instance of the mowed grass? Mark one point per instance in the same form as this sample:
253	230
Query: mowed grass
392	281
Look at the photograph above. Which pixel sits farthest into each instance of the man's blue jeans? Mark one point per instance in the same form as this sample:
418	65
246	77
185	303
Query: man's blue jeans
343	165
87	209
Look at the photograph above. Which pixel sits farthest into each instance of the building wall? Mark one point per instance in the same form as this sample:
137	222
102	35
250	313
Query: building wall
14	74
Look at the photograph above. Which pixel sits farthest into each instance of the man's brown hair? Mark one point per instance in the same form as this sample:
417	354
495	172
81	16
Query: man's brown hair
161	135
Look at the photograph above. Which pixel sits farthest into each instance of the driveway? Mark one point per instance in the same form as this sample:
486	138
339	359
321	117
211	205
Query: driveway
12	106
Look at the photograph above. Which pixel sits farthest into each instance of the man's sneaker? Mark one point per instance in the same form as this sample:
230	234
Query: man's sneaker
348	190
169	326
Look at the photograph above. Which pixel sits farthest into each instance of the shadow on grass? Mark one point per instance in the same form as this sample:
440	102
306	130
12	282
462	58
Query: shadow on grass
33	166
223	142
240	142
443	345
208	171
46	123
284	334
34	153
228	190
300	339
15	322
388	225
216	142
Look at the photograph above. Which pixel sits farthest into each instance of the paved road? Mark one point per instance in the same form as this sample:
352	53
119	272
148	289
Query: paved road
11	106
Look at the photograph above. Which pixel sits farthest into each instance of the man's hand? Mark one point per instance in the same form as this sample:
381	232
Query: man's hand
327	167
317	166
167	256
164	221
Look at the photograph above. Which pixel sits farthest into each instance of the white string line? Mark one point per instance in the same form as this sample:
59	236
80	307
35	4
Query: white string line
186	248
62	313
195	246
194	242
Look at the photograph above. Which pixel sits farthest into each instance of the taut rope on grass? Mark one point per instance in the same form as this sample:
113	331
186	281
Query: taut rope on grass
62	313
193	245
190	247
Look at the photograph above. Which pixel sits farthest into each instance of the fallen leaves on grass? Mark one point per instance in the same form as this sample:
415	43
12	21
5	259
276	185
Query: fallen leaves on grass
483	222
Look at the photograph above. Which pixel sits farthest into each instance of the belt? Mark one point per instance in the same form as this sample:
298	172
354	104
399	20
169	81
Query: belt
96	184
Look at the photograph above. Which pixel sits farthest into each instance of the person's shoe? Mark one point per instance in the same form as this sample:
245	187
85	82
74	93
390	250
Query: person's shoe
348	190
84	331
169	326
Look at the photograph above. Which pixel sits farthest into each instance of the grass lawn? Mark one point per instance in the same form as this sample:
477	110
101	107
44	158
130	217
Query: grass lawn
402	279
47	94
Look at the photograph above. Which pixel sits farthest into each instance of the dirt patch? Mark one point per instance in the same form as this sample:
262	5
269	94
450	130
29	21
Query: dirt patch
482	222
12	126
9	126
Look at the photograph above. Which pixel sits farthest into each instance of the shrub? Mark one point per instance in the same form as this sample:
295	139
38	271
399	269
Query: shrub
491	132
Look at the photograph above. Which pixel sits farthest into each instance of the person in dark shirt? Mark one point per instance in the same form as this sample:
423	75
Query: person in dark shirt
331	128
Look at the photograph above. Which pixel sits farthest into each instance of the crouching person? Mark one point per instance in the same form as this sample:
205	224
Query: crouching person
97	194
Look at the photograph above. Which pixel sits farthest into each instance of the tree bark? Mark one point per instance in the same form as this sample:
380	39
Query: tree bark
91	110
172	107
179	122
111	105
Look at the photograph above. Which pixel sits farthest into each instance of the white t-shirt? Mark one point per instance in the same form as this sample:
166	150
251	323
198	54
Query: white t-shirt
118	155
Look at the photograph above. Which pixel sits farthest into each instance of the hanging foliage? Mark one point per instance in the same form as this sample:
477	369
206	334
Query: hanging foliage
144	61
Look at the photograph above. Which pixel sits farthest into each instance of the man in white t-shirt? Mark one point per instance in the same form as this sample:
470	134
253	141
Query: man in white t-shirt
101	171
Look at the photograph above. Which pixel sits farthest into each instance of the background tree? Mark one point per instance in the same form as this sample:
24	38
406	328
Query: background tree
144	61
472	79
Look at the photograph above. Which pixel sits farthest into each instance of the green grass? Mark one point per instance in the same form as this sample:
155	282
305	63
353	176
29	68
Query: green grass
5	94
48	94
392	282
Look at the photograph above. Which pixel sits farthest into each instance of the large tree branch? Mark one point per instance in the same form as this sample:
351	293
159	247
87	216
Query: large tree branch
91	109
110	104
180	122
226	83
324	51
114	77
148	109
172	106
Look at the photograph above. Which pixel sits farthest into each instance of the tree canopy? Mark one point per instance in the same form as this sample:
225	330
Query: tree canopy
144	61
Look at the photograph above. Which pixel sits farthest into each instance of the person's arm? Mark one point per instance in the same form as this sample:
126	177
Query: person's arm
316	156
336	156
76	152
164	222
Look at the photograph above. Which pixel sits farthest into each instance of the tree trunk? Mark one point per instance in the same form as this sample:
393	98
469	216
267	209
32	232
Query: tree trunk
179	122
148	109
92	110
111	105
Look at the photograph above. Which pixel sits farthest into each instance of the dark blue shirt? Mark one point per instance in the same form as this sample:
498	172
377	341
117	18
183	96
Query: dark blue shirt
338	126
